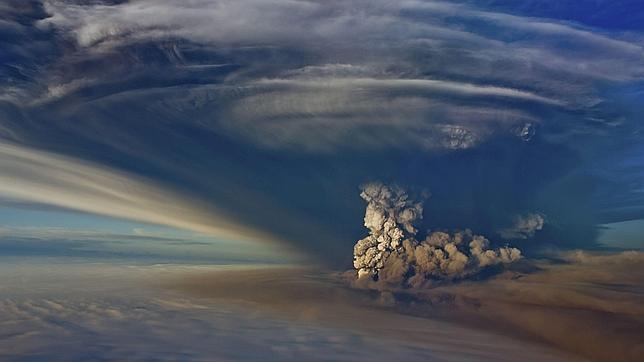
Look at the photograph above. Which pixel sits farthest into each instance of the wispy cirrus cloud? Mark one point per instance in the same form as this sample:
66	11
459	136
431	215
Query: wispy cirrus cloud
44	178
444	47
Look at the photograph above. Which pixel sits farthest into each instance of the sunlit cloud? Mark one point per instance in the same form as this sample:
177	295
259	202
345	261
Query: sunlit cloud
44	178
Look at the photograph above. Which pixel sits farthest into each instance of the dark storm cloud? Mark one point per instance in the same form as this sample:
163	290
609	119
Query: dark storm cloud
275	111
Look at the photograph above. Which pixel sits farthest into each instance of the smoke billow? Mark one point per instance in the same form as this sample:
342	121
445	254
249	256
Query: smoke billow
524	226
392	253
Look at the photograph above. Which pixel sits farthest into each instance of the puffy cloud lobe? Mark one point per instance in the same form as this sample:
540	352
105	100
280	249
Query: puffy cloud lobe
524	226
391	206
392	254
389	217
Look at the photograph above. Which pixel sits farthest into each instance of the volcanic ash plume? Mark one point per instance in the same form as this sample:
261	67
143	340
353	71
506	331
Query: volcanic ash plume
524	226
392	254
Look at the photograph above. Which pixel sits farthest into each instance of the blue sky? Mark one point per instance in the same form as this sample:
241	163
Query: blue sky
35	233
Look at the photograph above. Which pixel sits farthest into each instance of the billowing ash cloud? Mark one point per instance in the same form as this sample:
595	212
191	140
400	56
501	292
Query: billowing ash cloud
524	226
392	254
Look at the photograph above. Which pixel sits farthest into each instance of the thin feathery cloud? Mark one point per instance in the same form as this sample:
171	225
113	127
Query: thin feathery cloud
44	178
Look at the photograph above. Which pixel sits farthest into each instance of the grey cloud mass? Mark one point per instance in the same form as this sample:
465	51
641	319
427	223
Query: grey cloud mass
524	226
273	112
391	254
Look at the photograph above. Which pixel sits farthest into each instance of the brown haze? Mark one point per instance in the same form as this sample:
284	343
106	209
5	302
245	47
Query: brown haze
590	306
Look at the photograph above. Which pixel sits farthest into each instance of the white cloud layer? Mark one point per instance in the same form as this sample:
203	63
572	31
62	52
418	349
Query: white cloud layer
116	313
